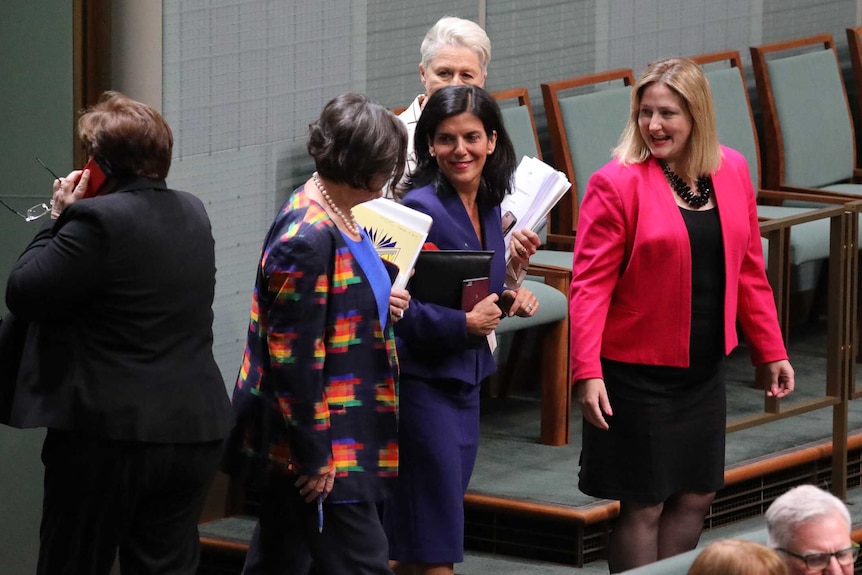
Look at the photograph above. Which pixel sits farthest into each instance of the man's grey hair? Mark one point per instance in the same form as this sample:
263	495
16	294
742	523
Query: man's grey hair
799	506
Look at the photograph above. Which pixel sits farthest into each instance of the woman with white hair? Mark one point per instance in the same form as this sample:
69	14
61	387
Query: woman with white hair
456	52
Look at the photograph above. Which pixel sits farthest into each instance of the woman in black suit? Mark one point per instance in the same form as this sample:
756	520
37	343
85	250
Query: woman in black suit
118	363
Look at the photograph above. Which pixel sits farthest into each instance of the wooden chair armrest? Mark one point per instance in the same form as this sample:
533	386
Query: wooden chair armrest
806	195
774	224
554	276
857	176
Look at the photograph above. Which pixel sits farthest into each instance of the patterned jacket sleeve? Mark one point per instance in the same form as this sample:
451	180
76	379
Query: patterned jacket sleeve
298	285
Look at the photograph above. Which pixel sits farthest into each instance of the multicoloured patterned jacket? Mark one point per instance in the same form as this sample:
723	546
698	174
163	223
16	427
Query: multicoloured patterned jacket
317	385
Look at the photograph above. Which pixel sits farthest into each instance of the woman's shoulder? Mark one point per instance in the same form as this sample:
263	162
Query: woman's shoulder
301	225
732	157
423	196
619	174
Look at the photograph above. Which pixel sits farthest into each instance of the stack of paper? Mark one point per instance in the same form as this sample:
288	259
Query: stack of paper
397	232
538	188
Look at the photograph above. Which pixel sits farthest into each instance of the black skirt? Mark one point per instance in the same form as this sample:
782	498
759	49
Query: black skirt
666	435
668	429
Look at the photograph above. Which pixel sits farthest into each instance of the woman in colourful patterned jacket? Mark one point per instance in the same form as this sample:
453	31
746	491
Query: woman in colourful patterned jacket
315	400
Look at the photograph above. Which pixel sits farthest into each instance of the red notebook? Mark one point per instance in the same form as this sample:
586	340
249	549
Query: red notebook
473	291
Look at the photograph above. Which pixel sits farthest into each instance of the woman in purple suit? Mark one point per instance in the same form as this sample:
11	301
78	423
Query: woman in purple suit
465	164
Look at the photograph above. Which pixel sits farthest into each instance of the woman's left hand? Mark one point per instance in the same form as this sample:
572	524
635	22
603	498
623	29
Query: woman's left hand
67	193
524	244
525	303
399	301
781	379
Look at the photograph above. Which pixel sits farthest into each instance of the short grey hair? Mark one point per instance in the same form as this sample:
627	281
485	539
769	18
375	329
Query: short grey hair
799	506
458	33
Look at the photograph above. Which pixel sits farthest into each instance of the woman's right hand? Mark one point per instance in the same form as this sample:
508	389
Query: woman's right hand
66	192
313	486
484	317
594	403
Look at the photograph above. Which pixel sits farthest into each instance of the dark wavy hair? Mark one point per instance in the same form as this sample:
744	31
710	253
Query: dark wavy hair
127	138
451	101
355	141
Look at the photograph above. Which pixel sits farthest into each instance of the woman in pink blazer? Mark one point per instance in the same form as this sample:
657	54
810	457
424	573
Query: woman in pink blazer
668	256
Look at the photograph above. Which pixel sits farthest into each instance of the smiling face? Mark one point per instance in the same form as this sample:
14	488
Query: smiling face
452	66
461	146
665	124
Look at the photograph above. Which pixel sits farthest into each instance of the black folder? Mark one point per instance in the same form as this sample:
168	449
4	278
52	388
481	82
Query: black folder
439	274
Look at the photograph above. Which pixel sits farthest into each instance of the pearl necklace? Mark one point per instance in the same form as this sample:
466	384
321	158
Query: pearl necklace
349	223
704	187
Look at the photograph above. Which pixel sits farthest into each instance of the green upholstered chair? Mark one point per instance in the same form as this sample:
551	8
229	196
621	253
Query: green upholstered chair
810	143
551	288
809	242
550	357
586	116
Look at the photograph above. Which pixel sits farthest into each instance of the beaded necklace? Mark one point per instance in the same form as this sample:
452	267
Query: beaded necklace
704	187
349	223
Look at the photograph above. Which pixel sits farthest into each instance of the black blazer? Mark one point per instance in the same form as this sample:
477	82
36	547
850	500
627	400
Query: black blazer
118	292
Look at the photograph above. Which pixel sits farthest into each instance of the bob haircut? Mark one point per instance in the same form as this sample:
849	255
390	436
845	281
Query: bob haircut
738	557
686	80
451	101
799	506
456	33
355	141
127	138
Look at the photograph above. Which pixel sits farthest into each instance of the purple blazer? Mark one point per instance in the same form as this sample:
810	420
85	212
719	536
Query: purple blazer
432	340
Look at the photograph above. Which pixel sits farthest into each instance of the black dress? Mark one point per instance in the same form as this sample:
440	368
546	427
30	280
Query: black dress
667	432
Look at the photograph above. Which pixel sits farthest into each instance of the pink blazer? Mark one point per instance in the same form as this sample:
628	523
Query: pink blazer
630	297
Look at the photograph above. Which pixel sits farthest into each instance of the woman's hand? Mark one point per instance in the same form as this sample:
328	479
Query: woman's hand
593	401
524	244
525	303
781	379
66	194
313	486
484	317
399	301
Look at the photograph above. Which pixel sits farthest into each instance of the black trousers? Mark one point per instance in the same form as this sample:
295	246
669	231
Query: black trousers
288	541
141	499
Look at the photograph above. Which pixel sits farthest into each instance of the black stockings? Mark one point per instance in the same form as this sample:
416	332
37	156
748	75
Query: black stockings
646	533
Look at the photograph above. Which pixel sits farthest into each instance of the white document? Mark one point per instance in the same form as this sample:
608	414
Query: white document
538	188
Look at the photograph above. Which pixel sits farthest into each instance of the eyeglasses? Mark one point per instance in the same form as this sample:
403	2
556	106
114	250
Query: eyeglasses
39	210
820	561
33	213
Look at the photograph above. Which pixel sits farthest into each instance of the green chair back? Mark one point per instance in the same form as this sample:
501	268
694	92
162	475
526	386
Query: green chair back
593	123
814	118
519	125
733	116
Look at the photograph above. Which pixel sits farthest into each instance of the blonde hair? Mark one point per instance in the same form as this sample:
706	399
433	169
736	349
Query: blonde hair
738	557
458	33
686	80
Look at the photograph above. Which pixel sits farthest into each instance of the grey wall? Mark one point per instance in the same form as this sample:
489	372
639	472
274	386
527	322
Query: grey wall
36	100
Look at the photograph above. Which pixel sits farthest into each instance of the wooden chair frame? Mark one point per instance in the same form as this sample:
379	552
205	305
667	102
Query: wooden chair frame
566	223
774	145
522	95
